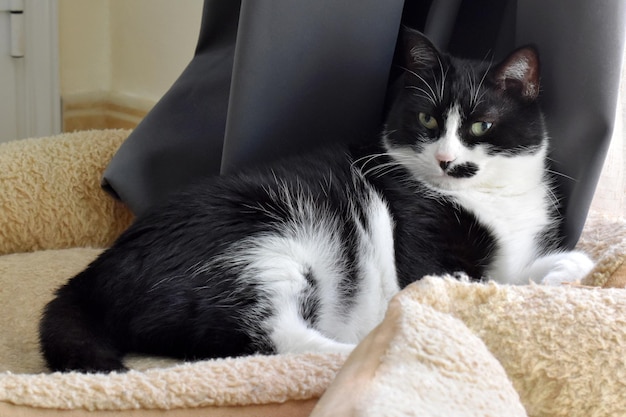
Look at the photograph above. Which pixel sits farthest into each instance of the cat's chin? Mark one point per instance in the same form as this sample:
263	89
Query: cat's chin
438	180
445	182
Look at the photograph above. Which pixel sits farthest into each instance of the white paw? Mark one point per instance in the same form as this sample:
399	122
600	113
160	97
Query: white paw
568	267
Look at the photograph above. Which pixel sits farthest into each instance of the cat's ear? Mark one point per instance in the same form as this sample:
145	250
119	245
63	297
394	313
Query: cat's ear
419	51
519	73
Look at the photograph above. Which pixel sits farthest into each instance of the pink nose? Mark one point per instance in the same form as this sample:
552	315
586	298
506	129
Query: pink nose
444	160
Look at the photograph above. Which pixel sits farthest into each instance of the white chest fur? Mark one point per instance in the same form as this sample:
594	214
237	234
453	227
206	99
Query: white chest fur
516	222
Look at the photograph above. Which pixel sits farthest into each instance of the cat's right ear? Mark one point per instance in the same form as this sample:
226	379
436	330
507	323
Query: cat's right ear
519	73
419	51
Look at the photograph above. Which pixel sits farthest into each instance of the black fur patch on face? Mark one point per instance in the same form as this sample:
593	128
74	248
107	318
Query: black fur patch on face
466	170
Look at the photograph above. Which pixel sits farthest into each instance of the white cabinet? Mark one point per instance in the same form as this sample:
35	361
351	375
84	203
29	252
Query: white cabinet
29	82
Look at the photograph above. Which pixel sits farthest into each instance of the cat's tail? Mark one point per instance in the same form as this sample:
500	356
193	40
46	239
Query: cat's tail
71	339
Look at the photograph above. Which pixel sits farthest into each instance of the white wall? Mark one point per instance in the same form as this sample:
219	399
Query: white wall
610	196
132	48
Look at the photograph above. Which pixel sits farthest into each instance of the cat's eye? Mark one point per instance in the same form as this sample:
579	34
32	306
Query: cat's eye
480	128
428	121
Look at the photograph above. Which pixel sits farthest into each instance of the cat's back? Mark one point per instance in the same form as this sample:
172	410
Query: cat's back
206	218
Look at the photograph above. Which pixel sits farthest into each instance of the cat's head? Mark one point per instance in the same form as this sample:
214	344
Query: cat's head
458	124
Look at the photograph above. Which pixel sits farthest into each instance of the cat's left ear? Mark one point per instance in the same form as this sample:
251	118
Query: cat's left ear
519	73
419	51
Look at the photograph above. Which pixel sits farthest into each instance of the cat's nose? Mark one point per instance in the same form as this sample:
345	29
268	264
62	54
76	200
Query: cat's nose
445	159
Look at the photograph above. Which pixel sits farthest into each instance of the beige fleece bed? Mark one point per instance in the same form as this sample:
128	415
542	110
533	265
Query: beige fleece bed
446	348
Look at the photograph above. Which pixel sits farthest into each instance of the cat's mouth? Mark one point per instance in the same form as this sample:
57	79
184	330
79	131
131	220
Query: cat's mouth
466	170
451	177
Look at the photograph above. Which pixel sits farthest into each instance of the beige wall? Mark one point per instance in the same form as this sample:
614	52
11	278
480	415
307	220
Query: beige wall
152	42
122	54
84	47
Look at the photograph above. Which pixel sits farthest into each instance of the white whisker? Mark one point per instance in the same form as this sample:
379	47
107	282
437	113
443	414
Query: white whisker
381	169
425	95
443	79
560	174
434	95
475	98
553	198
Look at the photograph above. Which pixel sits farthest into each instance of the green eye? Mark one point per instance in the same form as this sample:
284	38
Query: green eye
428	121
480	128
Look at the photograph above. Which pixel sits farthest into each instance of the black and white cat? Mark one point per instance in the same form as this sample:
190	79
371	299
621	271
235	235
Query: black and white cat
305	254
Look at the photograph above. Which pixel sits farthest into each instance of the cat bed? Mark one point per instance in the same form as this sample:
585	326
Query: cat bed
446	347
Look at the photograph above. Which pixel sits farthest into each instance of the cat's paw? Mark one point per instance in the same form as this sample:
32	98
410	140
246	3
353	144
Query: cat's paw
568	267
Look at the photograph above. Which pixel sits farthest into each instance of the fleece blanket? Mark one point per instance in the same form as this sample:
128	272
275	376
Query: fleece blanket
446	347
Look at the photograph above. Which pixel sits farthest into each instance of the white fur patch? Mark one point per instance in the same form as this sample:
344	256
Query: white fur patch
309	246
449	147
559	268
377	270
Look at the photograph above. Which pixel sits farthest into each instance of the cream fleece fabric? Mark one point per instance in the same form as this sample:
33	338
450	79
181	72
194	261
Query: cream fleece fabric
227	382
420	362
50	192
563	347
604	238
560	349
